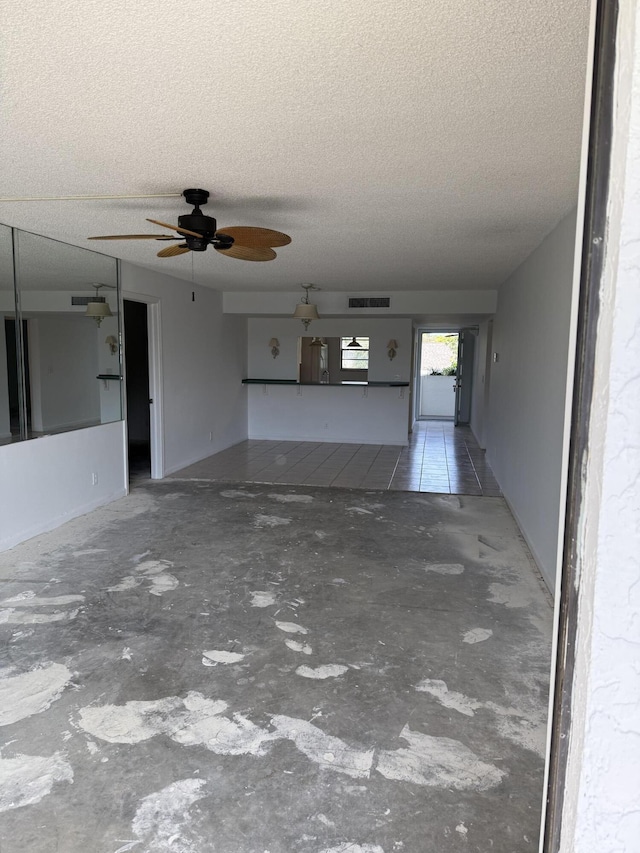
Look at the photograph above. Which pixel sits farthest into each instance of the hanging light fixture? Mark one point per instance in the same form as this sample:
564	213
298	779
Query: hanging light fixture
317	342
305	310
354	343
98	308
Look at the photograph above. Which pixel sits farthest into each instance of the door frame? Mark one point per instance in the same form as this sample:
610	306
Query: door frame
417	384
465	383
154	355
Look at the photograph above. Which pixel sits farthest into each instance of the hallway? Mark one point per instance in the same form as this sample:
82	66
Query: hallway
440	458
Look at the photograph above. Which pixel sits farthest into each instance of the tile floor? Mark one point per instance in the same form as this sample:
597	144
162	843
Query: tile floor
439	458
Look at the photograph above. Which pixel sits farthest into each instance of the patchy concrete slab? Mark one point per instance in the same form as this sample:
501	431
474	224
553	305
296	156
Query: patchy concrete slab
373	680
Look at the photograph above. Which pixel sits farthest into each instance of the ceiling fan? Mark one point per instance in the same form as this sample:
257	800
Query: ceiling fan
199	231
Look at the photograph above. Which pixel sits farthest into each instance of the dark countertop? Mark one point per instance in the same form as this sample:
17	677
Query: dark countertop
333	384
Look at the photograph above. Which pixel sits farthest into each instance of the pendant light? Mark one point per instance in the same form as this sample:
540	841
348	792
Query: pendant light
354	343
305	310
98	308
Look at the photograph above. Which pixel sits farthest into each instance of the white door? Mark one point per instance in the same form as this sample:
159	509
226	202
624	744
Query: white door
464	376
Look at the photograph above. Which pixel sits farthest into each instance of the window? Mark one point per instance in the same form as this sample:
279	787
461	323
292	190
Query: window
354	353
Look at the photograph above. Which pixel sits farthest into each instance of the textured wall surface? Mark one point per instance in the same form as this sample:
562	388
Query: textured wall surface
602	807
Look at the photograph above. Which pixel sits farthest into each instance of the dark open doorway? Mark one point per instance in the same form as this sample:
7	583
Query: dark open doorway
13	374
136	348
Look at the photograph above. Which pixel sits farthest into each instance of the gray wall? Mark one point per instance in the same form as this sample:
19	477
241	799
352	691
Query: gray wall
525	429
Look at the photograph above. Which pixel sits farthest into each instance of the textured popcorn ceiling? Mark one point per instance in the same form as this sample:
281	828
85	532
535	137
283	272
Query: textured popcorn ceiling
402	145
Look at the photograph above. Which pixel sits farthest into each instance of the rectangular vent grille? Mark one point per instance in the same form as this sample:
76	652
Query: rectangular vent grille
370	302
85	300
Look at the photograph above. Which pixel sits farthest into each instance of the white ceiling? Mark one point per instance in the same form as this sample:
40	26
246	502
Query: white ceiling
403	145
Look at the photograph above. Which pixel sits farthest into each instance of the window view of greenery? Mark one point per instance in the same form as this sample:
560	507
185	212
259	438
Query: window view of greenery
439	354
354	357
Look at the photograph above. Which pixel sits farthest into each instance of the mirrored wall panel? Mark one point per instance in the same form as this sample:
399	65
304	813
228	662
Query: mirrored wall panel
61	337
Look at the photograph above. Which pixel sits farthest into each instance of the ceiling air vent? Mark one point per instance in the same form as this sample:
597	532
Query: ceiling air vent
370	302
85	300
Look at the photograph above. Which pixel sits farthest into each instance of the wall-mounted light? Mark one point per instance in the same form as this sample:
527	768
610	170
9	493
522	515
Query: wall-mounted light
392	348
274	343
304	310
112	342
98	308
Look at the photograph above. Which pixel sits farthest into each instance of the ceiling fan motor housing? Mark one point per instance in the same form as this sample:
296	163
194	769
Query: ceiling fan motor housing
201	224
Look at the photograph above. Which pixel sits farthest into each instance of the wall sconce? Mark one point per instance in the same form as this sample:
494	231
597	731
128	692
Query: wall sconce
112	342
274	343
392	348
98	308
304	310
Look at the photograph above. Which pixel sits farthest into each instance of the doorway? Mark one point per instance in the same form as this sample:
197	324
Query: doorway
13	382
436	379
136	346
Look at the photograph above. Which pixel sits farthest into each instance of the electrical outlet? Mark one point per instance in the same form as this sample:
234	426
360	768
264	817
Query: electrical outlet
326	426
94	478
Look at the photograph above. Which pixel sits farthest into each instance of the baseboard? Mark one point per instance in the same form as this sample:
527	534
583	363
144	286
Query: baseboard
171	469
549	582
324	439
58	521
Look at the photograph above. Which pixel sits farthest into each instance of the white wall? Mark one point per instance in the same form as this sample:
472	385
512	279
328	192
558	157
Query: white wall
526	425
203	364
602	802
63	362
437	396
47	481
350	414
380	331
405	303
326	413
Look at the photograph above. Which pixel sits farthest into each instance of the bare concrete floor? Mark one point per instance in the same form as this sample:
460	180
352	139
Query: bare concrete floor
210	667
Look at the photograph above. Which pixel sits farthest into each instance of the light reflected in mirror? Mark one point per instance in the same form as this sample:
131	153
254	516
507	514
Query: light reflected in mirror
70	354
333	359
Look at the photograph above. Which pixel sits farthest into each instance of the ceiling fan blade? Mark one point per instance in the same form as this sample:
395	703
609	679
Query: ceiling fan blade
256	237
175	228
248	253
171	251
135	237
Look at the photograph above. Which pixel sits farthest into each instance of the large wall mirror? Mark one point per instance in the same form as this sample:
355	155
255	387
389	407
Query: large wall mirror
60	365
343	359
